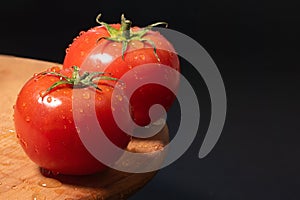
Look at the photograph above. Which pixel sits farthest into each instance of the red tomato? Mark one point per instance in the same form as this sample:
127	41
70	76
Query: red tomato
46	128
118	49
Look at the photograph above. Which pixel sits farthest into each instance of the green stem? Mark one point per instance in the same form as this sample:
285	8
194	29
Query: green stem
124	35
78	80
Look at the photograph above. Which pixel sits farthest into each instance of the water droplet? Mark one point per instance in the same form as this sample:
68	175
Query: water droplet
142	57
37	196
36	150
81	110
35	74
81	32
119	97
42	93
27	119
55	69
75	38
49	99
14	187
86	95
65	127
67	50
49	183
24	143
136	44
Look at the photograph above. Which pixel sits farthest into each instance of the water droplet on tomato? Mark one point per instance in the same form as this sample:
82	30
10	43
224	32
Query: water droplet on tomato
67	50
42	93
75	38
25	145
27	119
49	99
81	32
119	97
86	95
142	57
55	69
49	183
135	44
35	74
36	150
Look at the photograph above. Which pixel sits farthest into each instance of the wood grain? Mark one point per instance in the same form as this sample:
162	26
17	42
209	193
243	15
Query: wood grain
21	179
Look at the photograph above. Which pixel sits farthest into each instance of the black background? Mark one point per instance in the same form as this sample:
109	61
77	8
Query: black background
255	46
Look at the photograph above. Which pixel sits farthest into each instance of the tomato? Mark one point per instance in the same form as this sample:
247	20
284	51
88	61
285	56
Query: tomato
45	124
119	49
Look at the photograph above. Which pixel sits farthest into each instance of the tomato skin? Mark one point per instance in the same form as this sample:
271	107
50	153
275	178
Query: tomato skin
104	55
46	129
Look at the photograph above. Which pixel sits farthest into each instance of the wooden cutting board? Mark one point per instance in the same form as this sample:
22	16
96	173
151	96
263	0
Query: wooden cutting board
21	179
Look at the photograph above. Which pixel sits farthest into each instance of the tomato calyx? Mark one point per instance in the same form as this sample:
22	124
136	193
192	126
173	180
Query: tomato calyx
78	80
124	35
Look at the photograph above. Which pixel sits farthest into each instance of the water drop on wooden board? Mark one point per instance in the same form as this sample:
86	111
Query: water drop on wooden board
37	196
49	183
